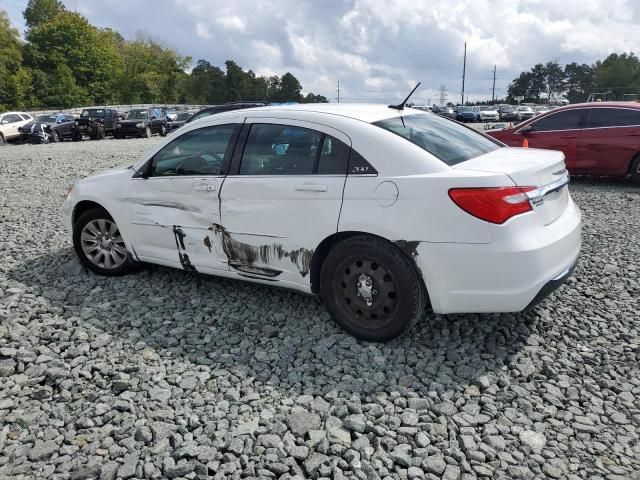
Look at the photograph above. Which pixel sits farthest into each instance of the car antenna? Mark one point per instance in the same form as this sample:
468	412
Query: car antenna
401	105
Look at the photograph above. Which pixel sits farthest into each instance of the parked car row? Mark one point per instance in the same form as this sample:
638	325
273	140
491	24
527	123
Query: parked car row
97	123
488	113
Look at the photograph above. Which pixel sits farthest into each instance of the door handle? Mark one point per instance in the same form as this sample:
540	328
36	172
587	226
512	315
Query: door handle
311	187
569	136
205	187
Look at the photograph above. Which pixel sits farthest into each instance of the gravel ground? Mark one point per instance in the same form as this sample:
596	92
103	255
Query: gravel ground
166	374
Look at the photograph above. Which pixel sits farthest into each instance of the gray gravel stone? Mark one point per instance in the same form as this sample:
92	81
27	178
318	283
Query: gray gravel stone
165	374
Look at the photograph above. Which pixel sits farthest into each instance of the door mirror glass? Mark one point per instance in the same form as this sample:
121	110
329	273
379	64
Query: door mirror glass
527	130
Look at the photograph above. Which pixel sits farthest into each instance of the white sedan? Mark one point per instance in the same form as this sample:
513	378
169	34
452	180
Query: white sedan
10	122
379	211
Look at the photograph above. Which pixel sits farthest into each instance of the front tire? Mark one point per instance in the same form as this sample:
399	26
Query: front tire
55	136
2	141
99	244
163	130
371	288
147	132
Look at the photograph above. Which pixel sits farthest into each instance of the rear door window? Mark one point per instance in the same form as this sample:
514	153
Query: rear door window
446	140
280	150
565	120
612	117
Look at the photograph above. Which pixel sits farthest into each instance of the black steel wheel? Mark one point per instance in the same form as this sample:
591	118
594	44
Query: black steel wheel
371	288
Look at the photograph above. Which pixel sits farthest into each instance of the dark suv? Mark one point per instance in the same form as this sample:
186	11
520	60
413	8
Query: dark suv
143	122
96	123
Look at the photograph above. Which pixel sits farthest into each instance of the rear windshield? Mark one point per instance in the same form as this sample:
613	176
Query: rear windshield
447	140
93	113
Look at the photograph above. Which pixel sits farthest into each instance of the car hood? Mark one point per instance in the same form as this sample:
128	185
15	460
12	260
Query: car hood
112	174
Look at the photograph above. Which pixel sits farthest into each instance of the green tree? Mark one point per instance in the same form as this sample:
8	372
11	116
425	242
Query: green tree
520	86
579	81
538	82
618	73
554	78
70	40
10	59
41	11
290	88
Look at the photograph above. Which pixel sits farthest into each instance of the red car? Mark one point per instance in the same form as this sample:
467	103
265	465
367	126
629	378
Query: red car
597	138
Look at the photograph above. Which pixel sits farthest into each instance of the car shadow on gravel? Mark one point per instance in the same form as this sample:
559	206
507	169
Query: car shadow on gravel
275	336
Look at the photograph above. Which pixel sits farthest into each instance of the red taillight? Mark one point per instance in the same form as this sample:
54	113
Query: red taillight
493	204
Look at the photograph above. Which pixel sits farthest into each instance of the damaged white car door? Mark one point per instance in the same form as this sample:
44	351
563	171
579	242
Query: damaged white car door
173	201
282	196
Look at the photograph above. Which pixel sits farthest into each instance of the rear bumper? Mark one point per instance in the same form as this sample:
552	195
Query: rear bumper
509	274
552	285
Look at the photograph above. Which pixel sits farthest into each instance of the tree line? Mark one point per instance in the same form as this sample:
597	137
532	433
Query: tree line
67	62
618	74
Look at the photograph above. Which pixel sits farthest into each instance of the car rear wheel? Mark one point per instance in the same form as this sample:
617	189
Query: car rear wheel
635	171
55	136
101	133
371	288
99	244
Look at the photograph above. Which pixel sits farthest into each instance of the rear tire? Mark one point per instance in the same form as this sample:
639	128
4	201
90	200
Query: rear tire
55	136
635	171
163	130
371	288
99	244
77	136
101	133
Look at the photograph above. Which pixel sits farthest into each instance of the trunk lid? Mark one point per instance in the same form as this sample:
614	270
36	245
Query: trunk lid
529	167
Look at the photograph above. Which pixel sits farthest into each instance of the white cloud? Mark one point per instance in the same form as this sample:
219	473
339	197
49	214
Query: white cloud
202	30
231	23
376	48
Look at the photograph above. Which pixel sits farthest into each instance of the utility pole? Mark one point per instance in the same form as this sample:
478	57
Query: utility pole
338	91
464	70
493	90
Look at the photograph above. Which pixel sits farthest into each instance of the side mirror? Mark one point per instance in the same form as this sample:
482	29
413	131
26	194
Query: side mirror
4	122
526	130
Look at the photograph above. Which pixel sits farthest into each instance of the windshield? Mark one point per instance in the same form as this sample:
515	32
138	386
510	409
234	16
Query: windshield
448	141
93	113
46	119
137	115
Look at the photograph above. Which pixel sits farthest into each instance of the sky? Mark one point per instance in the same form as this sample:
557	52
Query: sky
376	49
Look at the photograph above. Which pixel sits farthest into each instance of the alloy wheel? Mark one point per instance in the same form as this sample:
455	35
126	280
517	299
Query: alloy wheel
102	244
